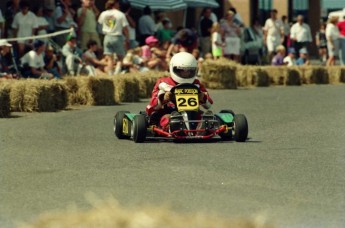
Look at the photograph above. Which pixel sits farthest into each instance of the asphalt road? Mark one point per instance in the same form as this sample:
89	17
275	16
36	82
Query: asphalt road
291	169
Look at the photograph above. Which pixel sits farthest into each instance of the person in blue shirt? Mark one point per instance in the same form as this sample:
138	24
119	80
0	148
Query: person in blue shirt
303	57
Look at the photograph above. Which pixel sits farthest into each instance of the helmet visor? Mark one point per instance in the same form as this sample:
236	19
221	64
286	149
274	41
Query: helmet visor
185	72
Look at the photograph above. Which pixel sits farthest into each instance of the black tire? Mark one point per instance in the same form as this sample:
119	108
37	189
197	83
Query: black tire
227	111
118	125
240	128
139	128
226	136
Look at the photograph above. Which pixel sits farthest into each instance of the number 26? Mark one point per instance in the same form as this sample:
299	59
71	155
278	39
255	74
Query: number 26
183	102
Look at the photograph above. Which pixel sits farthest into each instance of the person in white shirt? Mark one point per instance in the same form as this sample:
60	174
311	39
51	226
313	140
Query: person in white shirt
33	62
42	23
24	25
300	34
290	59
115	27
146	25
332	34
273	33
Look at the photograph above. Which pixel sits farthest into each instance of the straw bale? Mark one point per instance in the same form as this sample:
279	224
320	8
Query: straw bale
127	88
17	96
60	95
5	102
315	75
336	74
147	81
94	91
111	214
72	87
342	75
293	76
220	74
277	74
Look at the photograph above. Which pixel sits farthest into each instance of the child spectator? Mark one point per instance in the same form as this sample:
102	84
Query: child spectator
278	59
290	59
217	43
33	63
51	64
153	56
133	62
72	54
303	57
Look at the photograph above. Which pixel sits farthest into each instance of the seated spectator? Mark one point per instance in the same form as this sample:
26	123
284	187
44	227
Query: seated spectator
4	66
303	57
153	56
51	64
290	59
90	58
32	63
73	61
278	59
184	40
133	62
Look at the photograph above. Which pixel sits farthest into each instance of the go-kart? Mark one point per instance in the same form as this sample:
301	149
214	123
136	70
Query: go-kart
187	121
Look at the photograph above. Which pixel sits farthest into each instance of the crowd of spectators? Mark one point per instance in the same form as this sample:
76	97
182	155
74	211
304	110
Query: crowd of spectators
112	42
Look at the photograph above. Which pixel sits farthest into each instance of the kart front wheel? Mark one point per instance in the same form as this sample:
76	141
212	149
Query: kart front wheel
118	125
139	128
240	128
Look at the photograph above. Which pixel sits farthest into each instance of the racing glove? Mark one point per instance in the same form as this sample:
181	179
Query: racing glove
203	97
168	96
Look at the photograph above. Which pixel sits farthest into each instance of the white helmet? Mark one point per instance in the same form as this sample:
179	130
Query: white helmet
183	67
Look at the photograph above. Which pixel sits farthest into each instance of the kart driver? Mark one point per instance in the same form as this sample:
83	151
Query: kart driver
183	69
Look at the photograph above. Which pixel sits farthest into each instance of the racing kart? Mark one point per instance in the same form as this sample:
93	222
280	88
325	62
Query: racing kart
187	121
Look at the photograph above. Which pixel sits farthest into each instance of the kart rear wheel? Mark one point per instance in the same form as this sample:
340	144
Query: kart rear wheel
139	128
118	125
240	128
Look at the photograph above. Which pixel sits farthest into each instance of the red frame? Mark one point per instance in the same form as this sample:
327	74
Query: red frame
173	134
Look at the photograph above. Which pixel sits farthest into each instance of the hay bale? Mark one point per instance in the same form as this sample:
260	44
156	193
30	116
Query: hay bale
147	81
293	76
72	87
277	74
17	96
60	95
94	91
220	74
127	88
5	102
342	75
336	74
315	75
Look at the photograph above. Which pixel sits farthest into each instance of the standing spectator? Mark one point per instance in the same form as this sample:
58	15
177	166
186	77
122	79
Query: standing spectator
127	8
24	25
115	27
290	59
321	43
217	43
146	25
87	23
42	23
64	19
278	59
166	34
51	64
341	27
232	33
12	8
287	28
33	63
237	17
273	33
205	31
48	14
2	25
332	34
184	40
303	57
253	43
300	34
160	17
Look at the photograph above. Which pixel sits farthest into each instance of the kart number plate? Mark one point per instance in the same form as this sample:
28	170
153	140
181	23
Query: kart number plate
187	100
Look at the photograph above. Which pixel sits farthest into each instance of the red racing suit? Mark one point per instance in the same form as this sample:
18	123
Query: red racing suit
164	85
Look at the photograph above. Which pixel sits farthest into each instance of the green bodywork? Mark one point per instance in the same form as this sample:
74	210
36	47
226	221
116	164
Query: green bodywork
130	116
226	117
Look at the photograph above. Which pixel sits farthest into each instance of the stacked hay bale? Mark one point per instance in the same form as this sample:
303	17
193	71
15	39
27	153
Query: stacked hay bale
252	76
92	91
314	75
127	88
5	102
336	74
147	81
38	95
72	87
219	74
